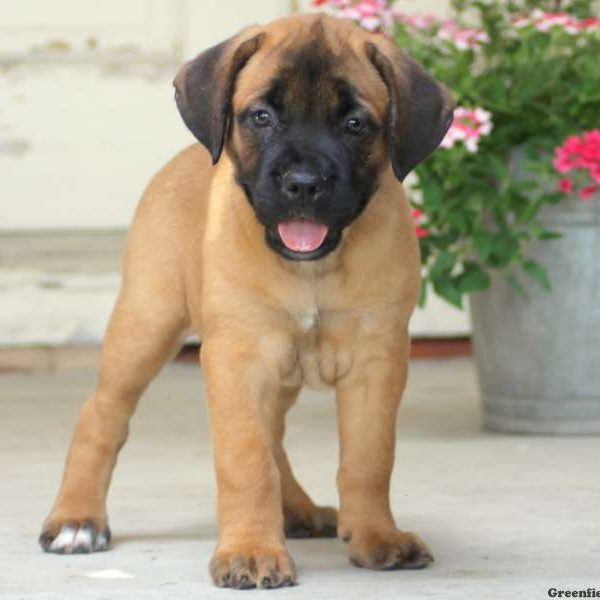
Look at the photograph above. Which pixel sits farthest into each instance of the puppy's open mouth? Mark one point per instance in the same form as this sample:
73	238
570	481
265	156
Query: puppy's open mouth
302	239
302	235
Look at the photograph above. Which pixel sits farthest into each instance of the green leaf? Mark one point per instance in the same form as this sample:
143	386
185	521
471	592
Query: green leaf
554	197
496	93
443	265
433	195
505	248
446	288
473	279
423	294
514	281
498	167
483	243
549	235
535	270
534	81
526	185
529	209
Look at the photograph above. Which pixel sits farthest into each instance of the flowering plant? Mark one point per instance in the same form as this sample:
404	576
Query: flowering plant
373	15
524	75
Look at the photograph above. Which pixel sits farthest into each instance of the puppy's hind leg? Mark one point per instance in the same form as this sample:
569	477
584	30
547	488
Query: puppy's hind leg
144	332
302	517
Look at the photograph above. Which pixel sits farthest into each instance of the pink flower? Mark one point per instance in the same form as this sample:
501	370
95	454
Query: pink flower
372	15
565	185
589	24
419	21
521	22
371	23
334	3
587	192
368	8
593	137
561	161
580	155
420	228
447	30
463	39
468	127
545	21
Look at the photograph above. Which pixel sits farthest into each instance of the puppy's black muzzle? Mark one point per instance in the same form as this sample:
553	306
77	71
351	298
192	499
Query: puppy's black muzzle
304	177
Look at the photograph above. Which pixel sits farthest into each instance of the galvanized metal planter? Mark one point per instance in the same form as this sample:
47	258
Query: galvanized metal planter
538	361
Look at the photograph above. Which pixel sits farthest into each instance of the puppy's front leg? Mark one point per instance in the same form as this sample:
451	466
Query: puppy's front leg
251	549
367	405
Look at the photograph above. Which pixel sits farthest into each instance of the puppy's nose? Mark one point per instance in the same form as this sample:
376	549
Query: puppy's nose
302	184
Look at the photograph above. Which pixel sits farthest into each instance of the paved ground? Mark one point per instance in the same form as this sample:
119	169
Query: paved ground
507	517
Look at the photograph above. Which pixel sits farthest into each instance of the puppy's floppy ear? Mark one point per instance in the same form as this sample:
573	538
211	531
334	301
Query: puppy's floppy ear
204	89
420	109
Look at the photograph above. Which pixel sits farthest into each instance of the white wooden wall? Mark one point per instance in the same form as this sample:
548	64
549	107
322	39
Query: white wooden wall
86	103
86	117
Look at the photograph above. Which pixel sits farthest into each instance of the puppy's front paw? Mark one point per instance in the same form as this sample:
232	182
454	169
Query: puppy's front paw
393	550
248	568
80	536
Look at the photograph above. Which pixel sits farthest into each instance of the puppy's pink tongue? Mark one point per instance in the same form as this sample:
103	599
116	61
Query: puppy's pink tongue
302	235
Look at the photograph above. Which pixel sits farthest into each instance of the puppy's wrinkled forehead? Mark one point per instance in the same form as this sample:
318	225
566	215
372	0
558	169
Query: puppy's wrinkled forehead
308	82
312	72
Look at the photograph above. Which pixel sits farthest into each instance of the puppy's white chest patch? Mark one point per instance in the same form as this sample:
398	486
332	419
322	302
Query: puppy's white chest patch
308	319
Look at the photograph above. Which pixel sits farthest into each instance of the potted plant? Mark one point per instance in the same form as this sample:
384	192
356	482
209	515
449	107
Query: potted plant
508	210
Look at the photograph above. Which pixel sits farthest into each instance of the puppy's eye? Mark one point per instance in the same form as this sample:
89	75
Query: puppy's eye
355	126
262	118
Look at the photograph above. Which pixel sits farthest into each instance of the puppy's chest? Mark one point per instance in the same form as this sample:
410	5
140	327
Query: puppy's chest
323	348
330	332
